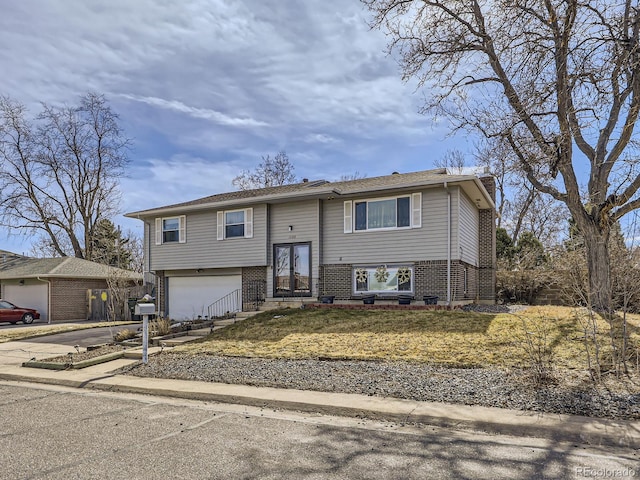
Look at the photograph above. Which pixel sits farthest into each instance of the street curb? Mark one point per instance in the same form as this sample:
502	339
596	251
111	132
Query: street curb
565	428
555	427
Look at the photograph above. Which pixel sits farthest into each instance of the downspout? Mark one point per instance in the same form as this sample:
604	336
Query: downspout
448	244
48	297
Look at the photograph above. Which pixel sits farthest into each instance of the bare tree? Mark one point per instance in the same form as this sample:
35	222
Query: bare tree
59	174
272	172
352	176
559	80
452	160
135	249
41	247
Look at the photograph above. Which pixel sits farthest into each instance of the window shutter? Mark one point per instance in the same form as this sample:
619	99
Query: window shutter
416	210
158	231
248	223
182	229
220	225
348	216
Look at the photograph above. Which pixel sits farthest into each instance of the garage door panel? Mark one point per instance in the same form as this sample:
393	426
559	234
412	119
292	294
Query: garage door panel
191	296
29	296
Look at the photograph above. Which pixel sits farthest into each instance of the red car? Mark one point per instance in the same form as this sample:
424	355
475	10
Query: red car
13	314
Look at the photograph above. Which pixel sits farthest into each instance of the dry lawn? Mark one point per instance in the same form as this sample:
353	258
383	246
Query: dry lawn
32	331
452	338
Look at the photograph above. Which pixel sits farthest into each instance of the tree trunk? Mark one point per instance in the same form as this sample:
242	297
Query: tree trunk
596	241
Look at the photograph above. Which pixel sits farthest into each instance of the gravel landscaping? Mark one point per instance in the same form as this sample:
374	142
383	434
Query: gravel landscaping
570	394
75	357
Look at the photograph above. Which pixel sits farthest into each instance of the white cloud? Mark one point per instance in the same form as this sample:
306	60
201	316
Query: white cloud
203	113
205	88
177	179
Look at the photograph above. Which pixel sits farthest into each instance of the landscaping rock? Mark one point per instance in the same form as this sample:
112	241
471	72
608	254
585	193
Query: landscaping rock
473	386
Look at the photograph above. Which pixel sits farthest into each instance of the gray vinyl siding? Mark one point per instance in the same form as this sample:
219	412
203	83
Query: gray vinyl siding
304	218
202	249
469	231
146	247
403	245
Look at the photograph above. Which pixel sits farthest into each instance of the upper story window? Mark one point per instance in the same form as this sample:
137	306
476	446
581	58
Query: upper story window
389	213
171	229
235	224
383	213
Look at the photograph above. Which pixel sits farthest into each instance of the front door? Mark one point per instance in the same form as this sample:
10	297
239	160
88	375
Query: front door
292	270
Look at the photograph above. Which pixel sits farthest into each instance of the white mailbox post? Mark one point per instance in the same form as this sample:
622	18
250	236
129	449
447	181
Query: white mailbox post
145	309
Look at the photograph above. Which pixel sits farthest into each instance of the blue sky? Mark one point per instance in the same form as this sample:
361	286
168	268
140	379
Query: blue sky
205	88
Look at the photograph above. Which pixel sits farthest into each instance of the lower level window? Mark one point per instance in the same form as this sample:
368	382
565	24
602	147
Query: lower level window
383	279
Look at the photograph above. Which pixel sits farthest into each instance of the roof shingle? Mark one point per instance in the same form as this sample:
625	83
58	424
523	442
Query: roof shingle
318	187
66	267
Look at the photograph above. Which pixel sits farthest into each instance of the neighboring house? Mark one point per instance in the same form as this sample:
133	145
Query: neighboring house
422	233
56	287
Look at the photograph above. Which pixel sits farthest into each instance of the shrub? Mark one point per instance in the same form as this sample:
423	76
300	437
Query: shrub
160	326
522	286
125	334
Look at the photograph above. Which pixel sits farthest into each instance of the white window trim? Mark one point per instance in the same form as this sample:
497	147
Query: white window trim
354	286
415	210
348	216
415	213
220	223
182	229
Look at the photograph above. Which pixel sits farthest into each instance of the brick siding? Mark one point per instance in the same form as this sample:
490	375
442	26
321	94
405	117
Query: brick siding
335	279
69	298
161	293
254	283
430	278
487	235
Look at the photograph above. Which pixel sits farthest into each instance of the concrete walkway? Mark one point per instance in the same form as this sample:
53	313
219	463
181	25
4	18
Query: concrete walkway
556	428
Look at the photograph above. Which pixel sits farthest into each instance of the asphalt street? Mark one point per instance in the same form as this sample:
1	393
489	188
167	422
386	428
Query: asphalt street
52	432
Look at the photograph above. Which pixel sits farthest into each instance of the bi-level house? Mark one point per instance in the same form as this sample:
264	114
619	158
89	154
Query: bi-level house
417	234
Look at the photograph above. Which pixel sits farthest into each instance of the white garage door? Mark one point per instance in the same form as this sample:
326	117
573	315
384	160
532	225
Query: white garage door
190	296
30	296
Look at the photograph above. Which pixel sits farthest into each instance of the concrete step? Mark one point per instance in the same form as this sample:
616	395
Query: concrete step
172	342
137	352
277	303
225	322
201	332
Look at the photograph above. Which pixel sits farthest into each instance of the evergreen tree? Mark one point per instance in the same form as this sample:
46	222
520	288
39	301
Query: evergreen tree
109	246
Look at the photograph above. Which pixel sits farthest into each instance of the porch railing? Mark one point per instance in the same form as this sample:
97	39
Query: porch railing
226	306
256	292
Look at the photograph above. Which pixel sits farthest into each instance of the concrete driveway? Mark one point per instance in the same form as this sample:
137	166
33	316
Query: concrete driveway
19	351
83	338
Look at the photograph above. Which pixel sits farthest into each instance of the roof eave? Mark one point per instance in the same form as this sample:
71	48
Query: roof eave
233	202
484	202
38	276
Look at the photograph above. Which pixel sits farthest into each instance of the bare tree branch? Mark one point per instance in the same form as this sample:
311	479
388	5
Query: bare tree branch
272	172
545	75
59	174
